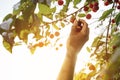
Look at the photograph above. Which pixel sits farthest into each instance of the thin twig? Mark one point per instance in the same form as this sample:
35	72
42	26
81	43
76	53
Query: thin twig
108	28
64	17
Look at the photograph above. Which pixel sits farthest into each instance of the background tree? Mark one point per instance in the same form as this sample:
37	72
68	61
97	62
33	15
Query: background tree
43	20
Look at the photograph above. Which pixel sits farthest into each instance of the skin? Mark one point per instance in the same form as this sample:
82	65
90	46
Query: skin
75	42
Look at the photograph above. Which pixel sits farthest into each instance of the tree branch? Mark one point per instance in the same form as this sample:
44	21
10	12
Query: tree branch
108	28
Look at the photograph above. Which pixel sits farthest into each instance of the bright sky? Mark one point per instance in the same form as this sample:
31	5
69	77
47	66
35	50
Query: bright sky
21	65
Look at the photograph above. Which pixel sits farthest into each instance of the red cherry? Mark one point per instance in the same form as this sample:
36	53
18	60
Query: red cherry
118	7
116	1
109	0
113	21
116	29
95	7
91	5
86	8
106	3
60	2
94	10
72	19
79	26
114	47
95	4
88	16
109	36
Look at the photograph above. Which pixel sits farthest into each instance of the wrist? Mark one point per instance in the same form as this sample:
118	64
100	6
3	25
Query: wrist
72	50
71	53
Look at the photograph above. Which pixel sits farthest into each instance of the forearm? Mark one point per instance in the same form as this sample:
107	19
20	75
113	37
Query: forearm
75	42
67	70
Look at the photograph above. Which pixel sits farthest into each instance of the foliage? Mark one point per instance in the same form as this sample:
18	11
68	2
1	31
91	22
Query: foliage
42	18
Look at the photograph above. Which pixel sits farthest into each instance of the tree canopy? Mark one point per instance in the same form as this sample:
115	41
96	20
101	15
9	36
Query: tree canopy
43	19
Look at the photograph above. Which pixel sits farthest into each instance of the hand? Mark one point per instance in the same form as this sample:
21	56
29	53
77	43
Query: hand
78	36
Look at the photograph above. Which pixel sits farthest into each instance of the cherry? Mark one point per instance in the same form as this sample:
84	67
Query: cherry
61	45
60	2
109	36
106	3
51	36
116	1
86	8
95	4
79	26
91	5
57	33
115	29
88	16
118	7
95	8
72	19
91	67
41	44
114	47
113	20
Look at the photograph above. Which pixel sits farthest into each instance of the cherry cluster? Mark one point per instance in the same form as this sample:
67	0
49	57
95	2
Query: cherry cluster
117	6
108	2
93	6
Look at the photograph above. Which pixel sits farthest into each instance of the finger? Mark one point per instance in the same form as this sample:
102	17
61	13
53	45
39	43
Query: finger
84	25
74	26
75	23
77	26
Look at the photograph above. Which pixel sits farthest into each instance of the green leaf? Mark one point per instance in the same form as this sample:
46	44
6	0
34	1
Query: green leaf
28	9
105	14
32	49
50	16
55	26
44	9
67	2
88	49
91	74
24	35
7	46
76	2
117	19
94	44
7	17
35	20
16	12
40	17
62	24
81	15
53	9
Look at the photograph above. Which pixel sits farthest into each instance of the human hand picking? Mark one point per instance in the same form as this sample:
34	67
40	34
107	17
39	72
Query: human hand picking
78	36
